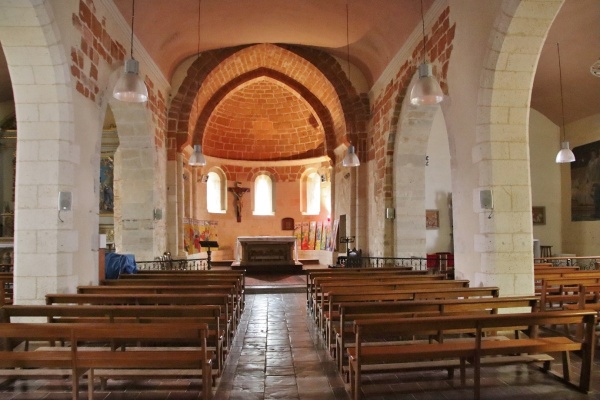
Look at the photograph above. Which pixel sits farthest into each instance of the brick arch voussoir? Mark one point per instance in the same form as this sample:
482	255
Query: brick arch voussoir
355	107
183	102
321	110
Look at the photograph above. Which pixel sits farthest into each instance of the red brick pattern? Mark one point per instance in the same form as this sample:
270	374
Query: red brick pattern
314	75
263	121
386	108
97	45
277	174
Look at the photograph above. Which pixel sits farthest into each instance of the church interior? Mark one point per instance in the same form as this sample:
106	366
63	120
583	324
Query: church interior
279	139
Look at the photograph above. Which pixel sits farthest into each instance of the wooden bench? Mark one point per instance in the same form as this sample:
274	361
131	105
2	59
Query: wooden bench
332	315
209	314
320	298
589	299
476	350
236	300
79	360
187	281
359	272
540	276
223	331
555	293
351	311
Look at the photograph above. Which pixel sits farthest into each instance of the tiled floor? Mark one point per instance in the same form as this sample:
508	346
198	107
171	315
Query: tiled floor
277	355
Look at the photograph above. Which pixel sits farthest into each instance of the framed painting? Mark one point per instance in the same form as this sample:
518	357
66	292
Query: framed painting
538	215
287	224
107	198
432	219
585	183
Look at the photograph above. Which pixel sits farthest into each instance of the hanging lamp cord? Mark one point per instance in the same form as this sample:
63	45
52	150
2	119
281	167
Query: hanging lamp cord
348	39
198	58
424	40
132	17
562	103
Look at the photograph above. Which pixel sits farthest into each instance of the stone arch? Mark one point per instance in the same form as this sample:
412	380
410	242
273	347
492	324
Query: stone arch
501	154
405	234
43	101
136	189
400	121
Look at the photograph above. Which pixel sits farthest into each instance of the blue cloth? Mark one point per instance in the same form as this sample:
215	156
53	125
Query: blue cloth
115	264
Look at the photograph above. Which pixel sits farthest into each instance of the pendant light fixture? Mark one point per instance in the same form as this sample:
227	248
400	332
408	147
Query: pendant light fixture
351	159
197	158
130	87
427	90
565	155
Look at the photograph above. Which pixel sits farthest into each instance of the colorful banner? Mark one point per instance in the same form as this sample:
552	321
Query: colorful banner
196	231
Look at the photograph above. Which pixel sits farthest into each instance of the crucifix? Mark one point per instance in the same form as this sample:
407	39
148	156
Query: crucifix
238	192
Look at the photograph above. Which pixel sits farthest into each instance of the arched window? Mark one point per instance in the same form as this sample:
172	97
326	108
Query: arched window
214	193
263	195
313	194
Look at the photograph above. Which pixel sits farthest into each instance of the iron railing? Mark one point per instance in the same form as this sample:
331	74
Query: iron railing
584	263
416	263
166	263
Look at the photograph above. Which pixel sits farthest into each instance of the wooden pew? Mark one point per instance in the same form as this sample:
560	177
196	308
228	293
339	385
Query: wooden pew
209	314
353	286
234	308
190	281
351	311
80	360
332	315
555	293
589	299
358	272
548	273
223	332
186	274
476	350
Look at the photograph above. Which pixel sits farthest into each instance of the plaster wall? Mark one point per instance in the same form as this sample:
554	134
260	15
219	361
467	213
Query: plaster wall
438	187
545	178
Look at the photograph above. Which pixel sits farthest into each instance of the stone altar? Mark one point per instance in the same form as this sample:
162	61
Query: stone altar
276	254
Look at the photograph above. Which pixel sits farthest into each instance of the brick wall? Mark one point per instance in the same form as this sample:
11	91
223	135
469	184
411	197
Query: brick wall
98	45
314	76
387	106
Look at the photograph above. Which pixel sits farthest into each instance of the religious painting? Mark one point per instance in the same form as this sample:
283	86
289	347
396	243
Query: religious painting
585	183
333	237
298	233
538	215
432	219
107	199
325	235
312	232
196	231
318	235
304	235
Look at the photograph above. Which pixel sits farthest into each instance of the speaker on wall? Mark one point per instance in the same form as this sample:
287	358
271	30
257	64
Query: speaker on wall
64	201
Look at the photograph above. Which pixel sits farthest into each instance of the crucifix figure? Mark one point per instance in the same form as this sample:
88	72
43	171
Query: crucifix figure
238	192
